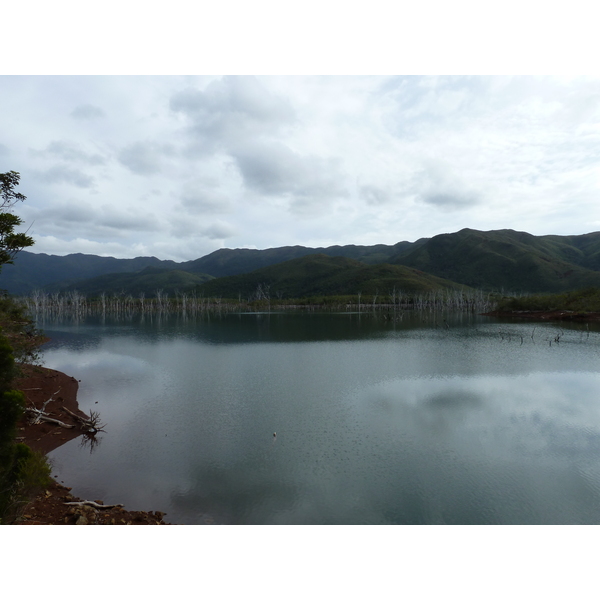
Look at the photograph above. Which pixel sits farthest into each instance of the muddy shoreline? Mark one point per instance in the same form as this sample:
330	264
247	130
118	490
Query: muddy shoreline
50	507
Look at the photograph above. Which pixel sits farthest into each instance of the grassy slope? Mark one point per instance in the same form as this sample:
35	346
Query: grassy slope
146	281
33	271
495	260
225	262
318	275
514	261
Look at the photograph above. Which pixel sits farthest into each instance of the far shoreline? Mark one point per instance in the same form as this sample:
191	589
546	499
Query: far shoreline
541	315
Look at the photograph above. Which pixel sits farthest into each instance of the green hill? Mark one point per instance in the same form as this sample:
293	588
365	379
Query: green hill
225	261
510	260
490	260
42	271
321	275
35	271
147	281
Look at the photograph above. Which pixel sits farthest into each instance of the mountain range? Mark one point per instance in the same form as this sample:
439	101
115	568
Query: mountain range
501	260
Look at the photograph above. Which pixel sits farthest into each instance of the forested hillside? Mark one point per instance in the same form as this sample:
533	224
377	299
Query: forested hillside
503	260
510	260
321	275
35	271
147	281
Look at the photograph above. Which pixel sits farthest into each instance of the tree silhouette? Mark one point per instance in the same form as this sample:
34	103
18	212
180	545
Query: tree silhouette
10	242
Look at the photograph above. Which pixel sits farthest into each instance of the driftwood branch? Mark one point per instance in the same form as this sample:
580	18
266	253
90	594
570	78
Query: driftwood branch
92	503
40	415
91	424
55	421
50	399
80	419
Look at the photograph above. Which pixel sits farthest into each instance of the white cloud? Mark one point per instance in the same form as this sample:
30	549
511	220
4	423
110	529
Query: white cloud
375	195
177	166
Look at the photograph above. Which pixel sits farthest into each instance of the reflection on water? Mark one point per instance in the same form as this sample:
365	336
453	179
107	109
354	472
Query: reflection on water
416	418
90	441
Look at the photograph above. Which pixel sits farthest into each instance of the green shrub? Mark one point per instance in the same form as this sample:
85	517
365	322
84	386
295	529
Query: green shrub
586	300
23	472
28	474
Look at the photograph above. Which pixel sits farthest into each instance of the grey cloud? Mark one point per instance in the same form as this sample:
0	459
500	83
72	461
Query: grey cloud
3	150
185	227
70	152
450	200
145	158
274	169
65	215
374	195
85	219
87	111
439	185
62	174
128	221
219	231
198	200
231	109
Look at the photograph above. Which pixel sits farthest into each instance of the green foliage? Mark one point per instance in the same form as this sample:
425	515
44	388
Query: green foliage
8	182
12	405
510	260
27	474
34	271
146	282
14	458
23	472
6	363
586	300
503	260
10	242
321	275
226	262
74	271
20	331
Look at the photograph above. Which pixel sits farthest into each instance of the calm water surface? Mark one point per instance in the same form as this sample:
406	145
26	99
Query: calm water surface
428	419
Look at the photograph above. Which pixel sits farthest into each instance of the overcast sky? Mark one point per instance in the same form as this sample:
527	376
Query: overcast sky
177	167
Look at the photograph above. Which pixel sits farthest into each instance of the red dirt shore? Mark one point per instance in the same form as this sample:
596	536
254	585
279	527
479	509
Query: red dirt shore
49	507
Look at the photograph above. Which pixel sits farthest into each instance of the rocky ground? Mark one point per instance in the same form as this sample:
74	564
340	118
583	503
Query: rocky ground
56	505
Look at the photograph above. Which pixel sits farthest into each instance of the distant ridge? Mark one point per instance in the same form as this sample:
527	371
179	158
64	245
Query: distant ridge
146	281
511	260
32	271
496	260
322	275
42	271
225	262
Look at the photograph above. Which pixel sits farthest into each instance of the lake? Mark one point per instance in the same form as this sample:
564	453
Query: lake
398	418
